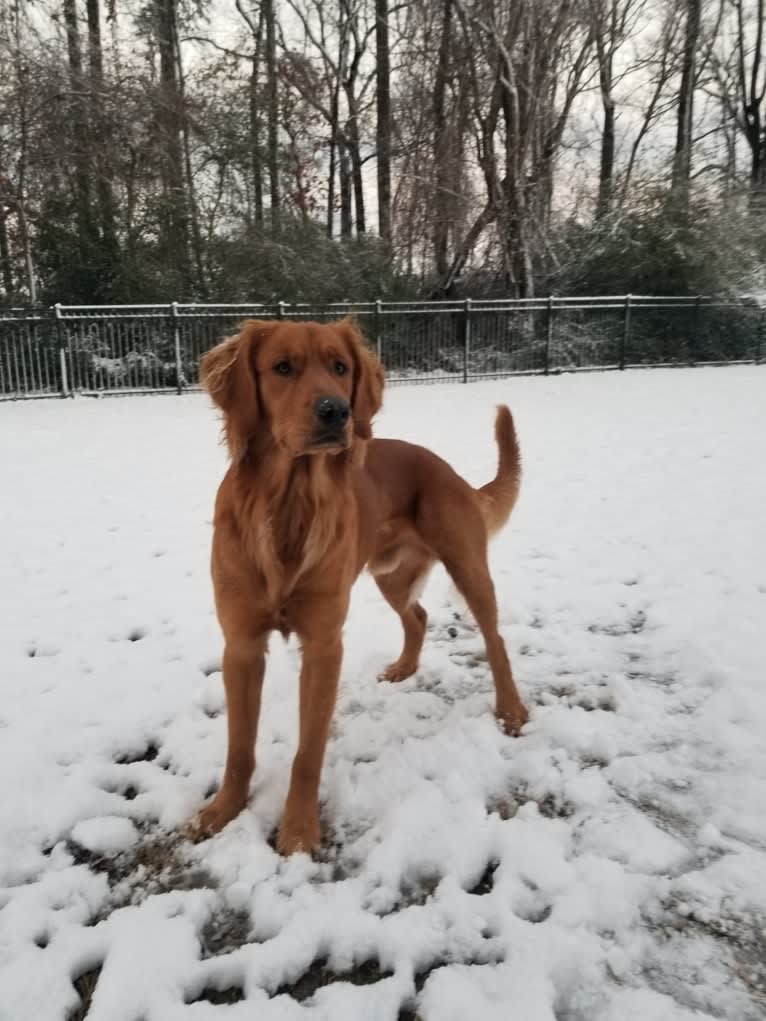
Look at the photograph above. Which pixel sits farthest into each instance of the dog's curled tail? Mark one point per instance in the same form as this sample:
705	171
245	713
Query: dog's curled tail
499	496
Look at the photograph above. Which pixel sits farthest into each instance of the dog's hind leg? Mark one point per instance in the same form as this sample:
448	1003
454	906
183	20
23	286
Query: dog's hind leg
471	575
401	589
459	537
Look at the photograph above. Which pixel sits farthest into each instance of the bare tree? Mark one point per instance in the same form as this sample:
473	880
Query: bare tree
352	135
441	142
100	152
6	268
175	213
612	23
383	133
741	74
272	109
79	121
659	69
682	156
513	56
195	235
20	110
338	88
255	26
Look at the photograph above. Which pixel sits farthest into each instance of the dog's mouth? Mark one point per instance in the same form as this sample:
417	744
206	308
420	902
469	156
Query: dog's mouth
327	442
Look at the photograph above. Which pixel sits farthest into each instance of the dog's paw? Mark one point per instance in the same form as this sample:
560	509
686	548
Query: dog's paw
512	720
196	830
398	671
211	820
299	836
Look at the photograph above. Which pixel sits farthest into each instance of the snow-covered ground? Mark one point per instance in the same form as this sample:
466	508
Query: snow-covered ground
608	865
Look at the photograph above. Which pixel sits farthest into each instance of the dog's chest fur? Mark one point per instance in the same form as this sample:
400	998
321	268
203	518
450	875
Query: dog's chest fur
293	519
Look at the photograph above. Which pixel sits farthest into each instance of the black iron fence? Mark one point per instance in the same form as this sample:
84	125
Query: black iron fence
69	350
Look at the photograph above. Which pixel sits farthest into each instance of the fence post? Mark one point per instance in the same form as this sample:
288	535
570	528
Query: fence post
466	338
65	388
548	335
280	310
694	345
625	332
378	338
177	346
64	374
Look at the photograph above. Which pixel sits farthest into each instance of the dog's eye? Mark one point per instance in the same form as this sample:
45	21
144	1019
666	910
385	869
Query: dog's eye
283	368
341	368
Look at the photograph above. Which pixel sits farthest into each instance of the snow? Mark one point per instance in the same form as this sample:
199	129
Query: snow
605	866
109	834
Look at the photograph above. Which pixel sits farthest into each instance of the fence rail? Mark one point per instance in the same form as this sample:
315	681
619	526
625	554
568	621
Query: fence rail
98	349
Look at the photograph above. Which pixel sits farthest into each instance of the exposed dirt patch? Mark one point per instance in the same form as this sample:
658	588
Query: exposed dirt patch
320	975
234	994
225	931
148	754
551	806
152	866
486	883
85	984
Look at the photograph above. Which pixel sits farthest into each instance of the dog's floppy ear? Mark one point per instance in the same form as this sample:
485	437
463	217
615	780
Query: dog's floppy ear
228	374
369	379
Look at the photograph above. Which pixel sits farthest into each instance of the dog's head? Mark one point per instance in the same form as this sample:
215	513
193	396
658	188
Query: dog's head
312	387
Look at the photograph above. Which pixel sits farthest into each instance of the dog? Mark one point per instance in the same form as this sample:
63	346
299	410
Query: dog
309	500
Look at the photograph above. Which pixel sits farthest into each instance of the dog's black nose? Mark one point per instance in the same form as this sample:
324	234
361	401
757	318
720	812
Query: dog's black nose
332	412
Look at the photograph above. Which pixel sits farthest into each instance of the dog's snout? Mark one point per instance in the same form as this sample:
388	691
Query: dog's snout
332	412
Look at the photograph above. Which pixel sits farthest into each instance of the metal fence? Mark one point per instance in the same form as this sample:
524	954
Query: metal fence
68	350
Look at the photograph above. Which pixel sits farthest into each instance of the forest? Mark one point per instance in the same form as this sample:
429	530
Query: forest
352	150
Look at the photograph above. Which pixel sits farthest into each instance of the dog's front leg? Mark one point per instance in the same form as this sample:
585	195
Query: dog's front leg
318	688
243	669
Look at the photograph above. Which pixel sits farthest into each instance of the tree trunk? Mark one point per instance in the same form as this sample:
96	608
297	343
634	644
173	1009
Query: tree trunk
346	220
101	151
756	137
682	157
195	233
331	168
255	130
350	76
441	219
273	110
21	211
745	97
254	106
752	103
18	194
383	133
354	151
463	253
604	16
523	278
79	127
511	195
604	51
334	132
175	219
606	166
26	247
5	250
